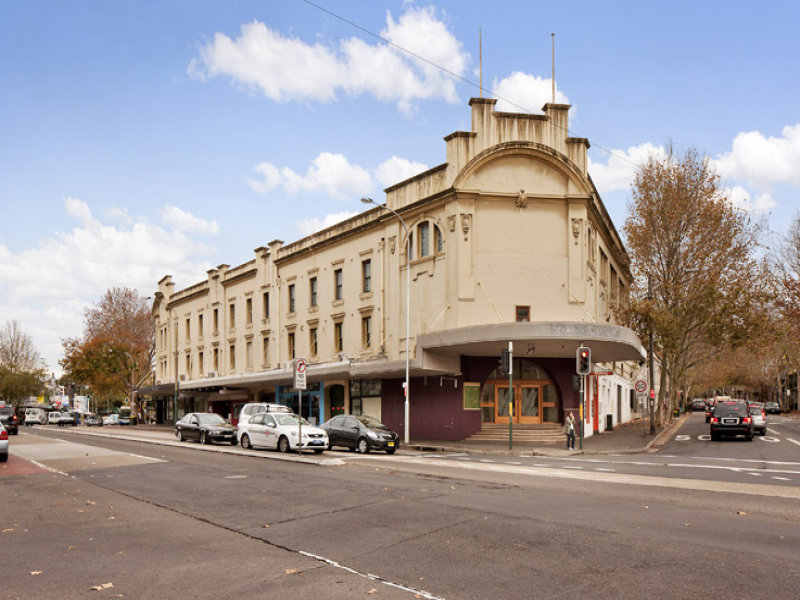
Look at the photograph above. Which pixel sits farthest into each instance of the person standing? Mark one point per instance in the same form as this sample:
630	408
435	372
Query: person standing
569	430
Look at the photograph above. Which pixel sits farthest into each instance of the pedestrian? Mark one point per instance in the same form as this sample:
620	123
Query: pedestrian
569	431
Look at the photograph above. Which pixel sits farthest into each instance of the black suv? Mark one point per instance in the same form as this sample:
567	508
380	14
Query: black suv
8	417
731	417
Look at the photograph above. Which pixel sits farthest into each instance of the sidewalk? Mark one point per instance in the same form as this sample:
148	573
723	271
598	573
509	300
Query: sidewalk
628	438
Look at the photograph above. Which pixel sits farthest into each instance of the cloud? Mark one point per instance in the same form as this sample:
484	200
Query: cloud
763	161
47	287
521	92
287	69
740	197
184	221
331	174
396	170
619	171
310	226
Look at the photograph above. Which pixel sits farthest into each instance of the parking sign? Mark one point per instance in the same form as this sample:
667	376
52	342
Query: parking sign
300	365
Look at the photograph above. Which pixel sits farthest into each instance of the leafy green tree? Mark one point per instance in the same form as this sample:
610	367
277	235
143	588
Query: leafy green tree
115	354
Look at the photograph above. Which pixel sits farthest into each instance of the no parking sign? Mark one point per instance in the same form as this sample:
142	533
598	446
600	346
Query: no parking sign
300	365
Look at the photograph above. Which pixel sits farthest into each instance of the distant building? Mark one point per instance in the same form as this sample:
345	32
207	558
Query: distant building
509	241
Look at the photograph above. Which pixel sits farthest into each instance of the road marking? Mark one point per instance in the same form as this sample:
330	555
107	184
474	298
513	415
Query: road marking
793	441
704	438
417	592
781	478
514	463
769	438
605	470
486	460
682	438
754	474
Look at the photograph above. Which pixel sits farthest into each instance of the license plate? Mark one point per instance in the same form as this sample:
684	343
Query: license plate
315	443
390	444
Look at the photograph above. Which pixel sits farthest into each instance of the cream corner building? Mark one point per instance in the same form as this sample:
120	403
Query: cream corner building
509	241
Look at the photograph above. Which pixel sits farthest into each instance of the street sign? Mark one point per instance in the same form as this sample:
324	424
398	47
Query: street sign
640	385
300	365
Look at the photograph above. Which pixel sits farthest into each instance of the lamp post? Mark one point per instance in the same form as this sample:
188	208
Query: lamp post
650	395
408	305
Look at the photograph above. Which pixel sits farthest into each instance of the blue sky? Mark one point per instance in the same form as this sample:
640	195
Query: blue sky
139	139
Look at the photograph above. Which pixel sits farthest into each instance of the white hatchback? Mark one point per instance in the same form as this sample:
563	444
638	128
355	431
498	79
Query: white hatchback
280	431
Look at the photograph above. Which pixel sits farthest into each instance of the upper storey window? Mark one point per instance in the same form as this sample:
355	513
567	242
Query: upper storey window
429	240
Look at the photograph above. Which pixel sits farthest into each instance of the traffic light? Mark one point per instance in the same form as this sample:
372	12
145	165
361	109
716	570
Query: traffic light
505	361
583	360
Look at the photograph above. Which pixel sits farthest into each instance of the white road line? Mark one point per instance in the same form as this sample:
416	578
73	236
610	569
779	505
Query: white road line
605	470
417	592
513	463
781	478
793	441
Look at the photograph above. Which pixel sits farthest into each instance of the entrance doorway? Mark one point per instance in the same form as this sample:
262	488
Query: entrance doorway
533	398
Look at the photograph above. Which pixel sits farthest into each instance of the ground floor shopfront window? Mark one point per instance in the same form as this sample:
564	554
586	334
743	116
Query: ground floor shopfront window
533	398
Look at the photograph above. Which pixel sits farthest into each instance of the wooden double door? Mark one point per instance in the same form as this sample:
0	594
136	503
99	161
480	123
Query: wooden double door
528	402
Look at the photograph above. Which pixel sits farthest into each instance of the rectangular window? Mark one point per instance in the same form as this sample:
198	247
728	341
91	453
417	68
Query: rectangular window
232	356
290	345
266	305
188	366
249	349
200	365
312	341
424	239
338	340
366	332
291	298
265	350
312	284
410	248
216	321
523	314
188	329
337	282
200	325
366	271
216	360
438	240
249	311
232	316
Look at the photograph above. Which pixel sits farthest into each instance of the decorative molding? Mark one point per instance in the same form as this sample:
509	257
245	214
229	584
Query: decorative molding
466	221
522	199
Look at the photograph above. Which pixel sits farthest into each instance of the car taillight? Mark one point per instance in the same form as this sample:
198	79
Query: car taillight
763	414
745	420
13	418
3	435
714	420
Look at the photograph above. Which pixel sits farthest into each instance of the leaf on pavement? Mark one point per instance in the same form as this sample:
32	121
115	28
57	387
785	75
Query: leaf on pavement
740	512
90	503
102	586
645	507
290	571
266	525
373	591
72	548
8	530
36	572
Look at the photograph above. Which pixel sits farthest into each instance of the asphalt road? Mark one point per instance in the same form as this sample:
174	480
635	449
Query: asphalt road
189	522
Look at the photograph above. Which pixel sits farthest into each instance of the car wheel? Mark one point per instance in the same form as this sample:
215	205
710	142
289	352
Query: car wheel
203	438
363	445
714	437
283	444
390	450
749	437
179	435
351	448
317	450
245	442
4	457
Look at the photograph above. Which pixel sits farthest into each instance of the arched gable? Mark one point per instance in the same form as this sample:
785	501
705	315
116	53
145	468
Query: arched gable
529	166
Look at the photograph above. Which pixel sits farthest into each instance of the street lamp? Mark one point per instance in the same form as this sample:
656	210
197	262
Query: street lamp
408	303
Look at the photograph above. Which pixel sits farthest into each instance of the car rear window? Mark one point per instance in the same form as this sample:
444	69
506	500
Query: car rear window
731	408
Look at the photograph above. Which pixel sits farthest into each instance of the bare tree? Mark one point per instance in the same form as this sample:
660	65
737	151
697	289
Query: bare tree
696	252
21	368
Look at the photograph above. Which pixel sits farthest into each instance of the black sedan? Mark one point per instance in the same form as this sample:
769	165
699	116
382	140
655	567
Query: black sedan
8	417
205	428
731	417
772	408
360	432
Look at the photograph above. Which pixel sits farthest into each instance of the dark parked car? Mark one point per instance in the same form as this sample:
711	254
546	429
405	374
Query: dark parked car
731	417
205	427
3	444
9	420
93	419
698	404
360	432
772	408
